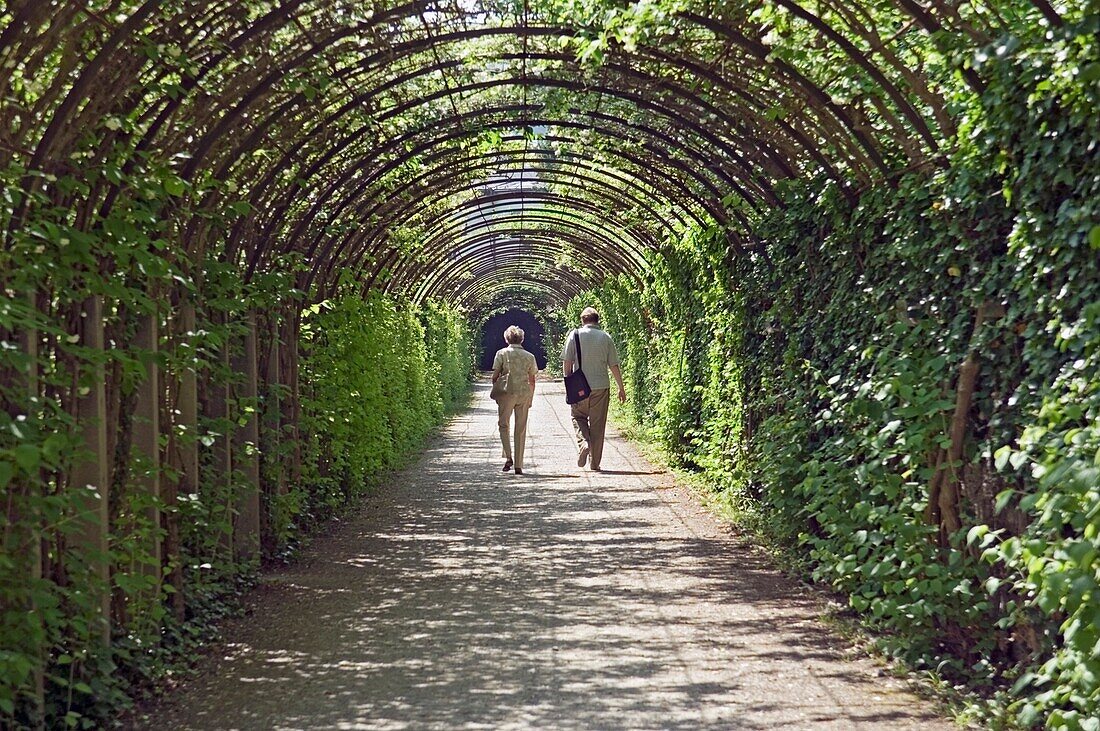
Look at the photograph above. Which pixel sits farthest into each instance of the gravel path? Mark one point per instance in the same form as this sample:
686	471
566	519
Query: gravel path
463	598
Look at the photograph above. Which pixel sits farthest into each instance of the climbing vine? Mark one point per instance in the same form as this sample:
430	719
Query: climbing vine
173	561
906	388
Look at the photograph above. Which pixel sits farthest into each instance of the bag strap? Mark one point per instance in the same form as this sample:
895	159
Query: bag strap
577	346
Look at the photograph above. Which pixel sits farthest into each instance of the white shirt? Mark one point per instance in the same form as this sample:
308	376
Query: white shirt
597	353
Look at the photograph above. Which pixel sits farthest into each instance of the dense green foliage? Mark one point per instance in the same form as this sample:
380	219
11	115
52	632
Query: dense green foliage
195	197
816	383
376	376
379	378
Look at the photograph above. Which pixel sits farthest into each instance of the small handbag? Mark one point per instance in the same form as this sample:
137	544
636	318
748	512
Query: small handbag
500	385
576	385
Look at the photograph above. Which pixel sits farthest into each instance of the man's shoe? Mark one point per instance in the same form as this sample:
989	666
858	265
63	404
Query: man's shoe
595	469
507	466
519	471
582	458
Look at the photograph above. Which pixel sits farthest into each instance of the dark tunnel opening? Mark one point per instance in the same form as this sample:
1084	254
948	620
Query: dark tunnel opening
492	336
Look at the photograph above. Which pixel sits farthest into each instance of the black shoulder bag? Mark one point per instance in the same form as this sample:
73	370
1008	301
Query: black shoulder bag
576	385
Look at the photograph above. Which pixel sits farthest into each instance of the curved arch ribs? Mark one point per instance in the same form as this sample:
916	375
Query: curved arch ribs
453	150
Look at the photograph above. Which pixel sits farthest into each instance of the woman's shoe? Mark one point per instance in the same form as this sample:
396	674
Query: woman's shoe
507	466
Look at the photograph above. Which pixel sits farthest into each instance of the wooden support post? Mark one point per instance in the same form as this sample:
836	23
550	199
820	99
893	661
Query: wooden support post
291	406
271	476
246	455
146	435
32	525
273	410
90	477
185	451
218	395
189	409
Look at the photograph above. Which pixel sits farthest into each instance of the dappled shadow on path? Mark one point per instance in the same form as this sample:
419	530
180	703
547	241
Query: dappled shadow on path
464	598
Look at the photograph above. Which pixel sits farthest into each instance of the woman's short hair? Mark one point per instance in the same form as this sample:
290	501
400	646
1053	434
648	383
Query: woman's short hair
513	335
590	316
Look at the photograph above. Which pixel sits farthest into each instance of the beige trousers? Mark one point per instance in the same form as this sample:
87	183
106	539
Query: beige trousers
506	407
590	422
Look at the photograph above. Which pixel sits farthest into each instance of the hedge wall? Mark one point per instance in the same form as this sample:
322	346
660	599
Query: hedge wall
373	375
907	388
378	377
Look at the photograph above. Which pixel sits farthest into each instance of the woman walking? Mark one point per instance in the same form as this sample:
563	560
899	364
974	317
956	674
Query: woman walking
514	371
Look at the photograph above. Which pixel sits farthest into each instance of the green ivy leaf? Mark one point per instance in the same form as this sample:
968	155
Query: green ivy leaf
174	186
28	457
976	533
1094	232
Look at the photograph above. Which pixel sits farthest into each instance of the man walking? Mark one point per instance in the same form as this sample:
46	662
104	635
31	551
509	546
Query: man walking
598	354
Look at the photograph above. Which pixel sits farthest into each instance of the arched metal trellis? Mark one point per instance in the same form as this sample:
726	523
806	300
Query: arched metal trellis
452	150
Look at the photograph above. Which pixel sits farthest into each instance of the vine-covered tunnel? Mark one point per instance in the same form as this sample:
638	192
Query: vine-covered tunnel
848	249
